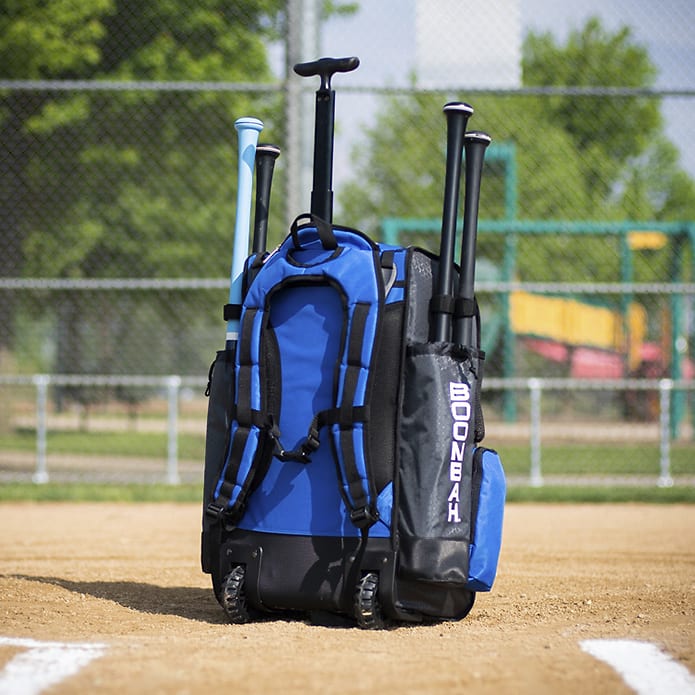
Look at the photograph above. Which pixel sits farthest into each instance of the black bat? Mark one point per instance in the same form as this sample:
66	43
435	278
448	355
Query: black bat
475	144
442	303
265	163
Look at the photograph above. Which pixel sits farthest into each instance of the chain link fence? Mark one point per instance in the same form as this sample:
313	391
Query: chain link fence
117	196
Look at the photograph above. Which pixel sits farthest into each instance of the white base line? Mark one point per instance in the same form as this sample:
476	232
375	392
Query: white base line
643	666
43	664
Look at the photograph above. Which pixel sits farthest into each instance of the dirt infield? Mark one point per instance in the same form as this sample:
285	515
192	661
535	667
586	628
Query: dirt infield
127	577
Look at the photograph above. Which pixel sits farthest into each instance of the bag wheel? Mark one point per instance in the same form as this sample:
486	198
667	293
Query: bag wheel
367	608
233	595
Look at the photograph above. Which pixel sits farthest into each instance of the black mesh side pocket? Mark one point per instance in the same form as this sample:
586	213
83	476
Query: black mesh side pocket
436	443
221	394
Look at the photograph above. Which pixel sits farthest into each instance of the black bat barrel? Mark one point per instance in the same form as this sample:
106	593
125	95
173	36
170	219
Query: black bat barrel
475	145
442	304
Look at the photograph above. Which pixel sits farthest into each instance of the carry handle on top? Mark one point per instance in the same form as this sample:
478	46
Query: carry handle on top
325	68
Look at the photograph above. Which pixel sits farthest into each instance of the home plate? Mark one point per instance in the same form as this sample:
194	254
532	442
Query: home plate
643	666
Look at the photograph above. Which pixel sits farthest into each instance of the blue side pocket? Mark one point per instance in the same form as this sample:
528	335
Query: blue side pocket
488	514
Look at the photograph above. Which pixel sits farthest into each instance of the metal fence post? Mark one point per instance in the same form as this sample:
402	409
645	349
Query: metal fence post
173	386
41	381
536	477
665	388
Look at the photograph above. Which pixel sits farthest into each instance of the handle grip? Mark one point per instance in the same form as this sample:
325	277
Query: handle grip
265	163
325	68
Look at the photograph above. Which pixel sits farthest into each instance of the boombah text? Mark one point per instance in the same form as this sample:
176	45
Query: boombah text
460	404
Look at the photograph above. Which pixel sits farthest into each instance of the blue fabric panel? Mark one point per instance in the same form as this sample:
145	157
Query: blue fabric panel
255	357
359	444
304	500
309	322
247	458
485	548
384	505
296	498
299	499
397	294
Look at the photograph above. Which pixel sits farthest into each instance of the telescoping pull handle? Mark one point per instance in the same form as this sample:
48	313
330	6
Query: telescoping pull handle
322	190
326	68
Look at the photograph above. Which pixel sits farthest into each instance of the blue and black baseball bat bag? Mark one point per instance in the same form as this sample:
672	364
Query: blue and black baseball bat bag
345	473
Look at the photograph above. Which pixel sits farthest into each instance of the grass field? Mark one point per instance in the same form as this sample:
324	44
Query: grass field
114	492
141	444
599	461
566	458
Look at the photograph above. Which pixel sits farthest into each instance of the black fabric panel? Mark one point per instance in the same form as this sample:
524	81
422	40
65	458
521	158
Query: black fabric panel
302	573
422	270
218	420
435	467
271	373
435	600
243	411
294	572
384	399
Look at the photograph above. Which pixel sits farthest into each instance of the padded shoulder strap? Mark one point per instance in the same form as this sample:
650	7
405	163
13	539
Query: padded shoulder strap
249	445
351	416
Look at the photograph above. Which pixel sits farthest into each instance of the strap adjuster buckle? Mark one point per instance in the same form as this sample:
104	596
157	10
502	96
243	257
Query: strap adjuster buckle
364	517
312	441
214	510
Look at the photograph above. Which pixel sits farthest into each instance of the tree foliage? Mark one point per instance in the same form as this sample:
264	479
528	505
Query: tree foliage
578	156
130	182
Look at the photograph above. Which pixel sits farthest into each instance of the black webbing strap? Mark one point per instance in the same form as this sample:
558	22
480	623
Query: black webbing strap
442	304
465	308
324	230
362	513
389	271
232	312
330	416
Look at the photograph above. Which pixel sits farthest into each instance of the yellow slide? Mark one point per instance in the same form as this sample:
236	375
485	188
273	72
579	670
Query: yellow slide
575	323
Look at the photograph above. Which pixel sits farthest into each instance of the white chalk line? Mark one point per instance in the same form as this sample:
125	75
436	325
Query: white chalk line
643	666
43	664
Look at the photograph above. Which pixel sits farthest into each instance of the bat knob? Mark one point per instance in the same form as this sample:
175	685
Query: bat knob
478	136
458	107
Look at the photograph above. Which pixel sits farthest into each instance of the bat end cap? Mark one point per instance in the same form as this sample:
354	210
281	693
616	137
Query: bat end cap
249	122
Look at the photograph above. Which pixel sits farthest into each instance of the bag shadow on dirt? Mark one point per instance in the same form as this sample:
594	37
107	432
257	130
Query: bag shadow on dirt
190	603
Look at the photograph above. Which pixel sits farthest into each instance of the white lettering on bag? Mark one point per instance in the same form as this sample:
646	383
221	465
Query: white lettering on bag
460	406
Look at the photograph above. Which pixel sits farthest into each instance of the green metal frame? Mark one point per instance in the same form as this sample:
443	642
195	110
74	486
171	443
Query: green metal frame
510	228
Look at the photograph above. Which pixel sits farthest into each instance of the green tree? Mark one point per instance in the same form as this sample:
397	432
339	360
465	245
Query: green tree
128	183
578	156
38	40
619	138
